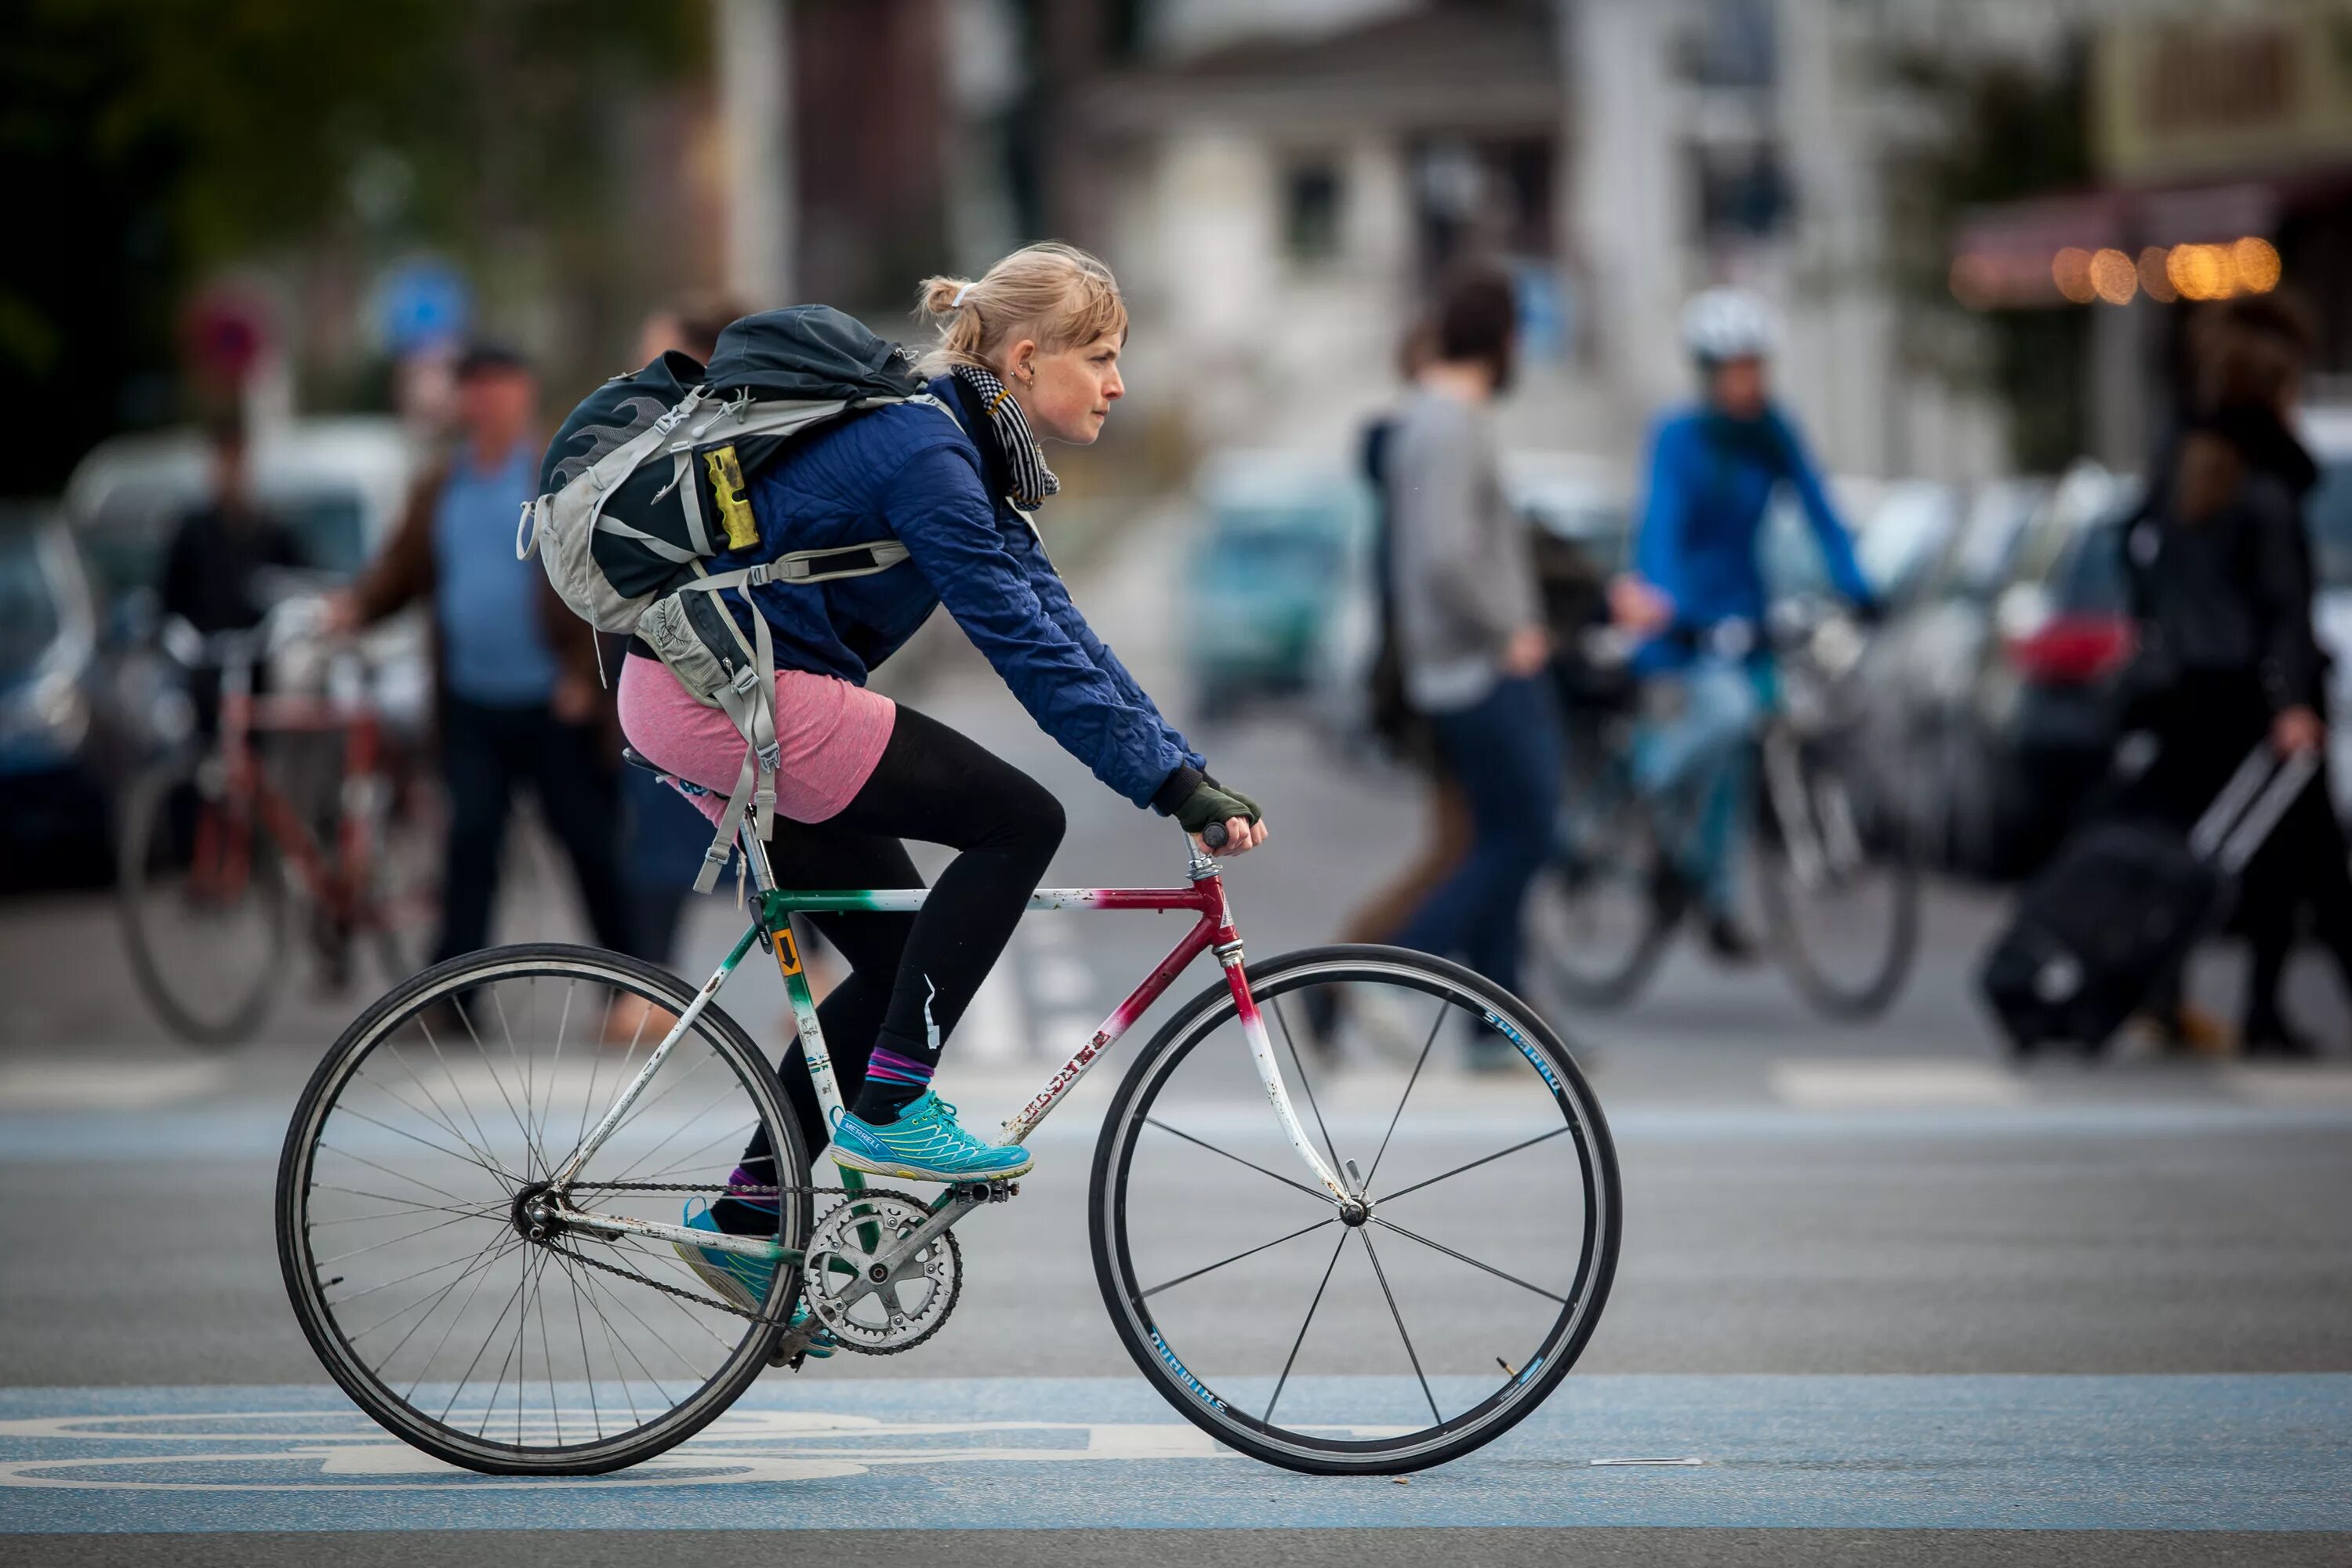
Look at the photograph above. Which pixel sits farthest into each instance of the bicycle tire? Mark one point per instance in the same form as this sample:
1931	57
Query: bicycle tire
1898	858
146	829
441	984
1602	986
1196	1400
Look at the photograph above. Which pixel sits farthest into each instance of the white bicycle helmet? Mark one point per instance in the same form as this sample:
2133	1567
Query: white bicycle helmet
1728	324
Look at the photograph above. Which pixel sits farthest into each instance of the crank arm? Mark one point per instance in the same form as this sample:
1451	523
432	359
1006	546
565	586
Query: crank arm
942	1220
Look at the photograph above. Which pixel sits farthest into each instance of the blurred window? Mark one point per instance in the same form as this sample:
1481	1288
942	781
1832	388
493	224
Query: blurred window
127	540
2328	511
329	528
1742	193
1731	43
1311	218
2092	581
29	618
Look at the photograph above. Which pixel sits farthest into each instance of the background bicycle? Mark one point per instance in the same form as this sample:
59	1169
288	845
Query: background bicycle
1833	866
294	818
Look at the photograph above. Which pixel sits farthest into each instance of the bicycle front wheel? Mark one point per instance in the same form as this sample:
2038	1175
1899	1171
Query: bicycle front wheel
1388	1339
201	892
1838	877
414	1212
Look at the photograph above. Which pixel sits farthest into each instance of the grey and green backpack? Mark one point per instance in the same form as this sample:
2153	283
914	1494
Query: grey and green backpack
648	480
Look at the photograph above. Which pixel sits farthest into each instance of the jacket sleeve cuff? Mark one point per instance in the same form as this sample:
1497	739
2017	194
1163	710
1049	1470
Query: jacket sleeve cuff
1176	789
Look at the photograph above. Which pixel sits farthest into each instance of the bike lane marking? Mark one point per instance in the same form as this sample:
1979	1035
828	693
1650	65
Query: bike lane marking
2235	1452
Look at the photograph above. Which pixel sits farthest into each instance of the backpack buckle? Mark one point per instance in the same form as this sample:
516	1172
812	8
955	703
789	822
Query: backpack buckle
746	679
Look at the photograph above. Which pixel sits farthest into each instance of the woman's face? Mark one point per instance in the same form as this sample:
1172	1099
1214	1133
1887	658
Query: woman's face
1067	394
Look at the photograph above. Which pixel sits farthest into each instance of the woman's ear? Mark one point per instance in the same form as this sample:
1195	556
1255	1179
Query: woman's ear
1021	362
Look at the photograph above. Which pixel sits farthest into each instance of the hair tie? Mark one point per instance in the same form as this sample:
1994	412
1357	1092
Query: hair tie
959	298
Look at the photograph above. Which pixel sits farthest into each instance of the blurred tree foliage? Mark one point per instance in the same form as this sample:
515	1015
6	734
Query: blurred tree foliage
153	142
2017	131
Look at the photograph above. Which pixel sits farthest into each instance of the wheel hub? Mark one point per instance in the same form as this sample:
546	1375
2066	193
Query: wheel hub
534	1217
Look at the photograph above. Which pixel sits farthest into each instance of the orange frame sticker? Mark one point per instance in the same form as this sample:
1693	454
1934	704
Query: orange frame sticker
788	951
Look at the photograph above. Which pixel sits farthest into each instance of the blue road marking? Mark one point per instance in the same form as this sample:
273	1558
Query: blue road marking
2214	1453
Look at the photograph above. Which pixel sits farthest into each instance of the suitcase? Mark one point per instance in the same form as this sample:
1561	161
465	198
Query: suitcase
2124	902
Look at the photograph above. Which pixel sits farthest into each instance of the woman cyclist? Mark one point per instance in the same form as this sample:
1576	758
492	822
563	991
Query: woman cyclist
1029	351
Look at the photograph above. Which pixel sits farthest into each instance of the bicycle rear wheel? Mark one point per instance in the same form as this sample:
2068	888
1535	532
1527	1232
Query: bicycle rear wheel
411	1224
201	892
1381	1341
1839	881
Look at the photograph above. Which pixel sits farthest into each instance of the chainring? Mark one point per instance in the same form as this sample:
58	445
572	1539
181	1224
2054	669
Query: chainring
905	1310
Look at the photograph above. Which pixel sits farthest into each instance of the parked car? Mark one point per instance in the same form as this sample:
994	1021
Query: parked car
337	484
55	740
1278	596
1981	680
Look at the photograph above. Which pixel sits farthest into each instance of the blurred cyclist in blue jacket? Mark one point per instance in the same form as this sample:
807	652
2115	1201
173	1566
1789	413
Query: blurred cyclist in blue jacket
1698	596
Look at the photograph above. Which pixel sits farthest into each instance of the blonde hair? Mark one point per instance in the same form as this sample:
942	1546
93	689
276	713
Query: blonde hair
1055	293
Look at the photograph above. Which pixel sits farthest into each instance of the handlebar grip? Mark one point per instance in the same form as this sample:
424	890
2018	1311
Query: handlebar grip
1214	835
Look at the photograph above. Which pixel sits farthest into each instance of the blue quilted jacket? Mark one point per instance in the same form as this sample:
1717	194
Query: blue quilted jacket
910	472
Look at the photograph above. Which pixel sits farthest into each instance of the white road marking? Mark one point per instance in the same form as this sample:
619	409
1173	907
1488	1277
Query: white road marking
1835	1084
84	1085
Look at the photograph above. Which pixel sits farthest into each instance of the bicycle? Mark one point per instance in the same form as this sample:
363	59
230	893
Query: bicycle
1827	854
211	839
513	1196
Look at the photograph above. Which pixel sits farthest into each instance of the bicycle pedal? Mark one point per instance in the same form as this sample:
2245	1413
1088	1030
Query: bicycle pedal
996	1190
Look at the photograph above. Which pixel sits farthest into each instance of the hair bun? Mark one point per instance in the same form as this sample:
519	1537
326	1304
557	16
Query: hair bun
941	295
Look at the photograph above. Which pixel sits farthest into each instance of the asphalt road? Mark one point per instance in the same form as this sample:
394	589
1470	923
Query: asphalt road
1902	1302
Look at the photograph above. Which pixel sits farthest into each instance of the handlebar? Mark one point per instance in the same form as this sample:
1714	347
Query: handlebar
1214	836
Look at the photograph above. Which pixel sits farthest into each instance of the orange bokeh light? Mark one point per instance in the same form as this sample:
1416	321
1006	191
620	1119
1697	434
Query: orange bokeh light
2199	271
2113	277
2071	270
2255	262
2152	280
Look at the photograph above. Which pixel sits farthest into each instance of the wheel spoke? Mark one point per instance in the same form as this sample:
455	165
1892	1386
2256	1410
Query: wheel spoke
1237	1159
1421	1061
1292	1360
1487	1160
1236	1257
1411	1355
1466	1257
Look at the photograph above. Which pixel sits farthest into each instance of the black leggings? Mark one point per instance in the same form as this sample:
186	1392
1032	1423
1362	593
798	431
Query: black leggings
935	786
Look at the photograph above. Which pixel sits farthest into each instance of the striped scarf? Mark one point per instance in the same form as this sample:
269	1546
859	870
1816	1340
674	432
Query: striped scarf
1032	481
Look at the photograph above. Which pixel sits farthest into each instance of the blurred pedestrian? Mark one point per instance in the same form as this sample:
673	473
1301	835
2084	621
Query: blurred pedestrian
1403	729
224	547
518	694
1469	627
2221	576
1698	598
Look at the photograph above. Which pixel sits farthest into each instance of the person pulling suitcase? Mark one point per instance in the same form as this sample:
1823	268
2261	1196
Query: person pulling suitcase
2122	904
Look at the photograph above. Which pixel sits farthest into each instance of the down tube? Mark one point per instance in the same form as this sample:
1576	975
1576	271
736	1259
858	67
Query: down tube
1193	943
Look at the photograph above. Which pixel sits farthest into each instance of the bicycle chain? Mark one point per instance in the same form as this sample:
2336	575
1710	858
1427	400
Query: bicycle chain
700	1300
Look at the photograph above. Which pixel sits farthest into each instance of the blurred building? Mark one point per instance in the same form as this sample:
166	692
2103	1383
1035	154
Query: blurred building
1279	184
2220	146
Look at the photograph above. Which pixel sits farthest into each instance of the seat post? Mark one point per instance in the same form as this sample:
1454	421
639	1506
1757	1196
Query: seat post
755	855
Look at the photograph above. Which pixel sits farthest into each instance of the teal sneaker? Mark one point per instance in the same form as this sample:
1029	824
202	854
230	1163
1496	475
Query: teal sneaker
925	1144
740	1279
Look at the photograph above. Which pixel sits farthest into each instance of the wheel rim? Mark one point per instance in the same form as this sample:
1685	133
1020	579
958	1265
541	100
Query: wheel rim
410	1203
1437	1321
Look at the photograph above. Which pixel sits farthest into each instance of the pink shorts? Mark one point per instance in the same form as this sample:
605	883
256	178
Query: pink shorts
832	733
